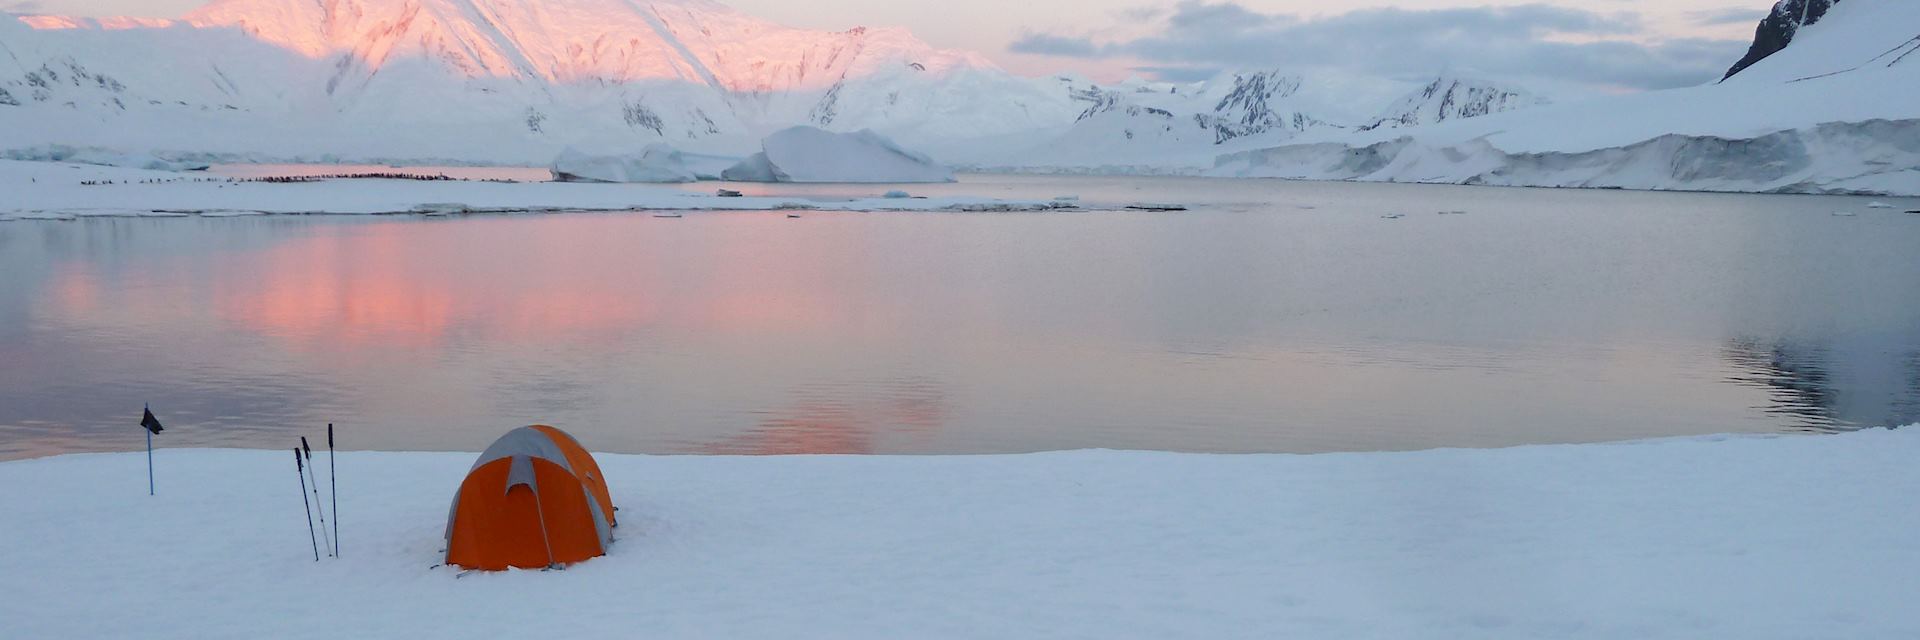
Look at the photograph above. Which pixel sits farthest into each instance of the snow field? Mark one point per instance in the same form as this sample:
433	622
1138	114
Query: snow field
1720	537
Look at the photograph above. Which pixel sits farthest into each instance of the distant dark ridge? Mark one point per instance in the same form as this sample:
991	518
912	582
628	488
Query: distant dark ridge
1776	31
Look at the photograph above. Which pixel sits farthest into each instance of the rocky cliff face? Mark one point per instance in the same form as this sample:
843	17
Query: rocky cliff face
1776	31
1452	98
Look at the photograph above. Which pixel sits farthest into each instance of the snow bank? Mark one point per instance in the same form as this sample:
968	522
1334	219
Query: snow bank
808	154
1685	538
656	163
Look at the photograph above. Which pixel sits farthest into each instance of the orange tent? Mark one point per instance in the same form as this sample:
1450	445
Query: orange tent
534	499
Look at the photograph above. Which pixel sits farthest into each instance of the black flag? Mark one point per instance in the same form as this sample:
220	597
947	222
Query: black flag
150	422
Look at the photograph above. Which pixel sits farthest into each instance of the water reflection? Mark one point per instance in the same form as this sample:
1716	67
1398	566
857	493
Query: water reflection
1794	376
1227	328
1802	382
841	419
1907	409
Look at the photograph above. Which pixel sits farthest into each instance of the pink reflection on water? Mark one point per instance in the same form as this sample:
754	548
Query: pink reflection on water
842	420
579	279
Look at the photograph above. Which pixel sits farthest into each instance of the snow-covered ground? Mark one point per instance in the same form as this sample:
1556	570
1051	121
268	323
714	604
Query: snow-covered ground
58	191
1719	537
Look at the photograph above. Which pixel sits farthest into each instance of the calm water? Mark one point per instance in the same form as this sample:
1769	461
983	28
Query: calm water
1276	316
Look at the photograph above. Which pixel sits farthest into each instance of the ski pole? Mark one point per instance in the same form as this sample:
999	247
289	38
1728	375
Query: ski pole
301	468
333	491
316	495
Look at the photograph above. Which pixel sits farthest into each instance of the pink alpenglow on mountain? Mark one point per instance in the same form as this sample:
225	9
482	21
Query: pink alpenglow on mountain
507	81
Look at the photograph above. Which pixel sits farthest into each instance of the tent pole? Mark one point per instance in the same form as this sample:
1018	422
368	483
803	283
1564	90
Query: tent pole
540	513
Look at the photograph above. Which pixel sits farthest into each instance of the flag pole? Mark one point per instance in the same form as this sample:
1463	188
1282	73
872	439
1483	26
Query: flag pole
149	462
151	425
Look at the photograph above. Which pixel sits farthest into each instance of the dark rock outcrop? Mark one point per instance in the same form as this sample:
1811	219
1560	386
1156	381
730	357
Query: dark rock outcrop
1776	31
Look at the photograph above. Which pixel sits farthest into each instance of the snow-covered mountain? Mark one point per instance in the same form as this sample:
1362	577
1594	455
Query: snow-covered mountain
494	79
518	80
1453	98
1167	127
1837	111
1776	30
1828	99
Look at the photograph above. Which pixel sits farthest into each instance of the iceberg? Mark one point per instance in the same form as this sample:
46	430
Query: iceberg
809	154
104	158
656	163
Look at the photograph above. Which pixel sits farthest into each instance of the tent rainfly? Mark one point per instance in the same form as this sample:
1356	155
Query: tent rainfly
535	499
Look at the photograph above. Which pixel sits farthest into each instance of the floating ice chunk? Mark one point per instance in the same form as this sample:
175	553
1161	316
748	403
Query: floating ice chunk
897	194
125	160
1844	214
1150	206
808	154
441	208
1879	205
656	163
727	193
1066	198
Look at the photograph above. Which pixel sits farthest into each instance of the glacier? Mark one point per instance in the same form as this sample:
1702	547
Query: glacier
1873	157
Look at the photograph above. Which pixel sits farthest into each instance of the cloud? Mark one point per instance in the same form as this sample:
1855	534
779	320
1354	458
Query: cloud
1727	16
1052	45
1179	74
1526	40
1140	13
22	6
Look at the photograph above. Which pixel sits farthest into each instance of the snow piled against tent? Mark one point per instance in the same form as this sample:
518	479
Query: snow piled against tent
1746	537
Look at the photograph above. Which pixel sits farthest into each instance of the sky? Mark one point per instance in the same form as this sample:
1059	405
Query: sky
1622	45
